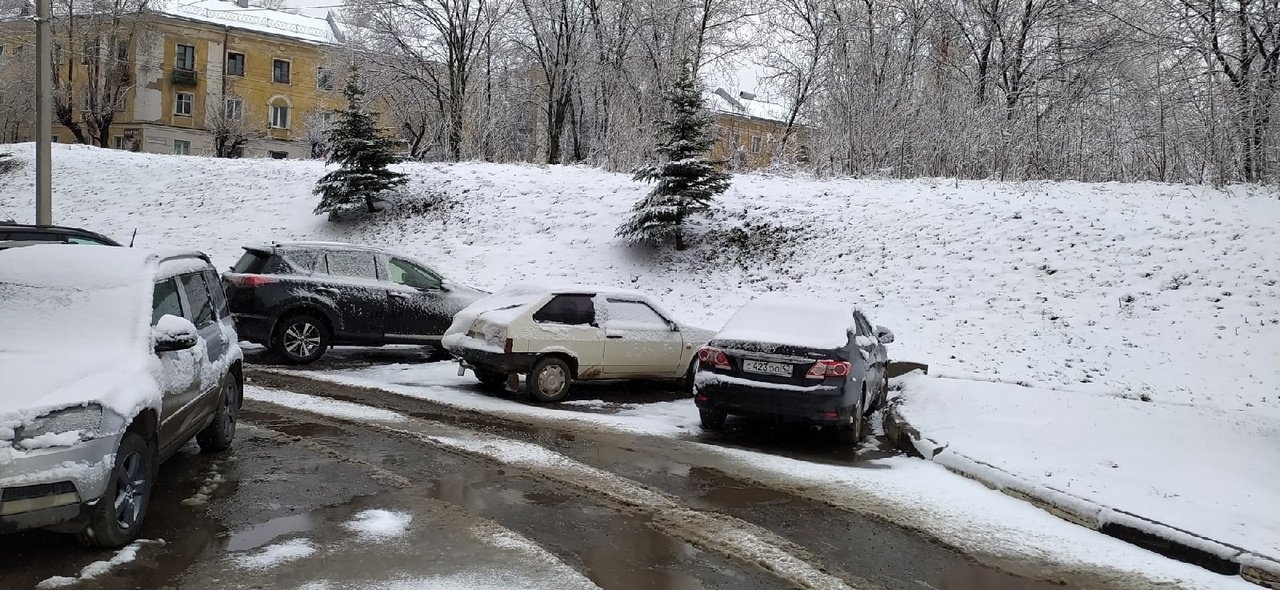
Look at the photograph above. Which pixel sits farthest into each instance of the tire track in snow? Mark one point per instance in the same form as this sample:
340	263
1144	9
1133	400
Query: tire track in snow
717	533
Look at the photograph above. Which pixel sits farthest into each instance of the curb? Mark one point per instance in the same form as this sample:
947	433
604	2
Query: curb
1169	541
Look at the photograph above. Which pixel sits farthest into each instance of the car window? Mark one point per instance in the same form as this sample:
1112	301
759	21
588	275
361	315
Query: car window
352	264
634	315
164	301
293	261
403	272
35	236
83	240
567	309
219	297
250	262
199	299
863	327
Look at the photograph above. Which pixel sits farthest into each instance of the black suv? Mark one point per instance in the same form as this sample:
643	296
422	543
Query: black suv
14	234
300	298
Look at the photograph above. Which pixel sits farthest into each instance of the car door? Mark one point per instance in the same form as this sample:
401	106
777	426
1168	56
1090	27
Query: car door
639	341
567	323
179	375
871	352
355	294
415	308
202	311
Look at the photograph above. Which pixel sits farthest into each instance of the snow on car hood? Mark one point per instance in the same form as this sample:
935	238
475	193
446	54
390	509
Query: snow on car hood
76	331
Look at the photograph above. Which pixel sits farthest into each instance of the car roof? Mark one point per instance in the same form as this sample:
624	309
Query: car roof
90	267
315	246
55	229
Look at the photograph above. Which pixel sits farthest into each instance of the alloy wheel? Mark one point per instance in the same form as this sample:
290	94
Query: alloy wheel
131	489
302	339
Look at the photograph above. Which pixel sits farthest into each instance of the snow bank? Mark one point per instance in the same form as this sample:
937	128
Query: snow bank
277	554
319	405
1213	472
1147	289
379	525
124	555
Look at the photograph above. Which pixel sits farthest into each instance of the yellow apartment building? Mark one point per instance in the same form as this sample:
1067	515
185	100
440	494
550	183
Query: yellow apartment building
196	65
748	131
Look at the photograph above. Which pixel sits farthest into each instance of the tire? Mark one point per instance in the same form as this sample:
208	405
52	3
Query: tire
549	380
217	436
130	486
491	380
851	434
301	339
712	420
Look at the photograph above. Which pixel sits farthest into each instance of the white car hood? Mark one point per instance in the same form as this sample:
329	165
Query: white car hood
38	383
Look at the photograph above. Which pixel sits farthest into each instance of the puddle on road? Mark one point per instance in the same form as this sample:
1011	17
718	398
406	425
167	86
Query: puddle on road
977	577
261	534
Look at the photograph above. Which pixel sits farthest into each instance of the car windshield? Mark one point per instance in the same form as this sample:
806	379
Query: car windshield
42	319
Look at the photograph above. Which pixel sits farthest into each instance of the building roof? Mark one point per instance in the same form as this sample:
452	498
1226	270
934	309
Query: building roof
745	104
253	18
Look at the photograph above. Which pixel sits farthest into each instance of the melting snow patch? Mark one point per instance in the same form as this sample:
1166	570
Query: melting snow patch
379	525
273	555
97	568
319	405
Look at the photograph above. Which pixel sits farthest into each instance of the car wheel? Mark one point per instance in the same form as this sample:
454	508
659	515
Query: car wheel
492	380
549	380
851	433
218	434
116	520
712	420
301	339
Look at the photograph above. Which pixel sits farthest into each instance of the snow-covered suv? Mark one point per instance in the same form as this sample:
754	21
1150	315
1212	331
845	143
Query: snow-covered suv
111	360
558	335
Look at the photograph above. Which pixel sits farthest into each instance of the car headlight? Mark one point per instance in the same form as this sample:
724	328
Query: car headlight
87	420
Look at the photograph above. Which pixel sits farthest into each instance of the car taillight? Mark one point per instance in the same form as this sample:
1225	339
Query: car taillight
714	357
824	369
249	280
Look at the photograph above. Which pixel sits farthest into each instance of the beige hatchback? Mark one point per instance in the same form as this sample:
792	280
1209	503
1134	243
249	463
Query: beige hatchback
556	335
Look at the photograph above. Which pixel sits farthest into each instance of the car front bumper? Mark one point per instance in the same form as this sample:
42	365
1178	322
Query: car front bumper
48	487
824	408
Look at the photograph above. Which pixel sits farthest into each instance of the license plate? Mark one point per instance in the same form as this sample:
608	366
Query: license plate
779	369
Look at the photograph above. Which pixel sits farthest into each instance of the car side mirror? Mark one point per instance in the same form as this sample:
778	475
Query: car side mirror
674	326
173	333
885	335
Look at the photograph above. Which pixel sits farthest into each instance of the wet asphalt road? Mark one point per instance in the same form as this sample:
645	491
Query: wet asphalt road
293	476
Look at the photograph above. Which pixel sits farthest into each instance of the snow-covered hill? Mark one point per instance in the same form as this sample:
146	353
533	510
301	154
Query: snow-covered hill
1163	291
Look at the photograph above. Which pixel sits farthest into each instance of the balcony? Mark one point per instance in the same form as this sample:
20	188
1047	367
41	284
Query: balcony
184	77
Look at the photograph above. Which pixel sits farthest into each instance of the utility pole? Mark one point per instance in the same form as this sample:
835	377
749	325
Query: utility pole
44	149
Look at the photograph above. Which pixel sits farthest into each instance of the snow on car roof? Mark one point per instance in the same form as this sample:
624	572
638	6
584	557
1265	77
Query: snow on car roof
791	320
77	267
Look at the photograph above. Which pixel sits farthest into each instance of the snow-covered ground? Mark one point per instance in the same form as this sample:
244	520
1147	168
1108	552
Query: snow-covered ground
1167	291
1213	472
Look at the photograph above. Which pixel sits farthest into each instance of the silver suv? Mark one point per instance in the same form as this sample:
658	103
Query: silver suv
112	359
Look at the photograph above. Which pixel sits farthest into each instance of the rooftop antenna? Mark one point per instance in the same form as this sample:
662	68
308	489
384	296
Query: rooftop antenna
133	237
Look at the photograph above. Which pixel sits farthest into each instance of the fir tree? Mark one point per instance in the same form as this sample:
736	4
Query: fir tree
362	154
686	181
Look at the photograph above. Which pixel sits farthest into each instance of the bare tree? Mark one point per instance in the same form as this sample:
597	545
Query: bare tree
232	125
92	44
555	30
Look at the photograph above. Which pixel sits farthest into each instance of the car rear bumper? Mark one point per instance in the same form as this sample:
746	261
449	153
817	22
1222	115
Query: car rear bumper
809	407
254	328
498	362
48	487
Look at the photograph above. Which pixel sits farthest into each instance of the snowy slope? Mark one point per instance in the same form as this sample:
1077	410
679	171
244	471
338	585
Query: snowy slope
1159	290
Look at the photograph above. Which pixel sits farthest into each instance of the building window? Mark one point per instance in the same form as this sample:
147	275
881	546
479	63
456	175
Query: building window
279	116
186	58
181	147
235	64
182	104
280	71
324	79
117	142
755	144
278	155
235	109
